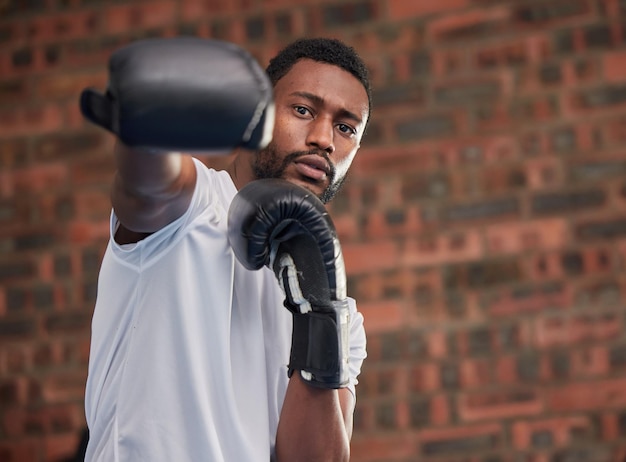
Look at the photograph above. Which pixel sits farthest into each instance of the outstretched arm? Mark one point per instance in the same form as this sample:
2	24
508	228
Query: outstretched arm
149	190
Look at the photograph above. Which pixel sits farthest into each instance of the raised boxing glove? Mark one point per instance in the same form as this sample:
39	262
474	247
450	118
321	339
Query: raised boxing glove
184	94
274	223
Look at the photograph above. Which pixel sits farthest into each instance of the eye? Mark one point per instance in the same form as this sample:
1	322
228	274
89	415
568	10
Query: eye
347	129
302	110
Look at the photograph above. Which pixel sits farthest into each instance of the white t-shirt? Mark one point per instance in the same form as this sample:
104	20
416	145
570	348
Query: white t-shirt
189	350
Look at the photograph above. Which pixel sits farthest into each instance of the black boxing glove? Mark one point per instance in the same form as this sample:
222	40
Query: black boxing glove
275	223
184	94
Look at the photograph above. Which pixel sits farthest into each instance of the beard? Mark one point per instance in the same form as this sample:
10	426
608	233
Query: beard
268	164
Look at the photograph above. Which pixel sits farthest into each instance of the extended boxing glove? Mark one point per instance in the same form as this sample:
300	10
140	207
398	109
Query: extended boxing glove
274	223
184	94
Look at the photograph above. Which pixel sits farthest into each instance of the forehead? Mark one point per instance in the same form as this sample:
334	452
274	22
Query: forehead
331	83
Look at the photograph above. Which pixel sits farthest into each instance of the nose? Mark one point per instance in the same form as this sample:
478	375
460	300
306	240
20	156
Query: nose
320	135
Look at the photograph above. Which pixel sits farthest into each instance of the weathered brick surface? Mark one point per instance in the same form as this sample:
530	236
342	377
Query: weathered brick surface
483	224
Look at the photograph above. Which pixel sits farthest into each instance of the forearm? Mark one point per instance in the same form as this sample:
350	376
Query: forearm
151	189
315	424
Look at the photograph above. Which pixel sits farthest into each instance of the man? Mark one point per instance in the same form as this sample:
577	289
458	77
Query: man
193	355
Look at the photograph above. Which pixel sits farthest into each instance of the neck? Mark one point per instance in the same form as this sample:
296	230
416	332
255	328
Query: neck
240	169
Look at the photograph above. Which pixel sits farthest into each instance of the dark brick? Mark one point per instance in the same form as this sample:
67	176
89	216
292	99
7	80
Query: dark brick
564	41
52	54
449	376
390	347
621	422
473	31
416	345
455	304
467	93
14	270
598	170
398	94
91	261
581	455
34	241
603	97
573	263
601	229
479	341
385	415
420	64
508	336
542	12
9	393
617	357
16	299
598	36
395	217
491	208
481	274
563	139
550	73
13	90
419	128
462	446
22	57
62	265
63	147
43	296
67	322
283	24
255	28
563	202
20	327
90	291
528	367
541	439
335	15
386	381
419	413
560	364
425	186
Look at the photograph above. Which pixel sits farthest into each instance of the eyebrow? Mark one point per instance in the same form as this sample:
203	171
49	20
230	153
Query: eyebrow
319	100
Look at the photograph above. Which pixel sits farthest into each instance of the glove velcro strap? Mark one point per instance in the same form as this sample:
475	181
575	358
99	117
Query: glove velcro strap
319	346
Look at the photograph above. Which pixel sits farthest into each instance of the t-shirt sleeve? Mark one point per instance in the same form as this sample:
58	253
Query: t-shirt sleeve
357	345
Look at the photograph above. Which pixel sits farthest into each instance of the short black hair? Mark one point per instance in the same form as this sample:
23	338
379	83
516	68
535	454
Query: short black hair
325	50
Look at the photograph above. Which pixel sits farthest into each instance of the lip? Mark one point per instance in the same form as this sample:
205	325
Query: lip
313	166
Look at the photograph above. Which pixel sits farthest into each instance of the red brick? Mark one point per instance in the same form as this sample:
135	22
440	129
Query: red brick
425	378
61	26
440	413
449	26
518	237
561	430
544	172
500	404
372	448
444	248
383	316
31	120
21	451
403	10
564	330
128	18
614	66
586	396
530	299
590	362
375	256
68	85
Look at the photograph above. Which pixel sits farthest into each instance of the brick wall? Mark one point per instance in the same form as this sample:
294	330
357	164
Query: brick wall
484	224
